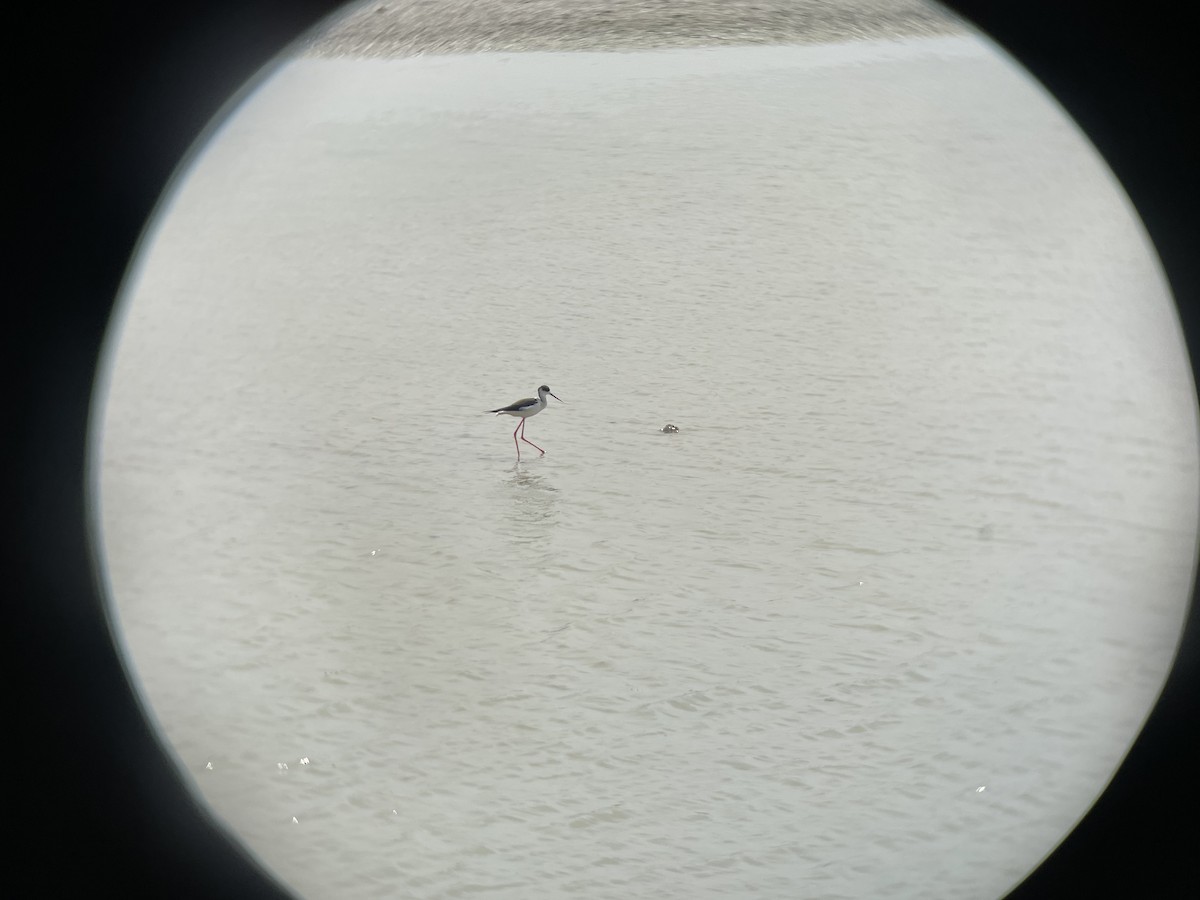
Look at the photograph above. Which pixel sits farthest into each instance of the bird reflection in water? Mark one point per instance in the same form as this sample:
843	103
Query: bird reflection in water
533	511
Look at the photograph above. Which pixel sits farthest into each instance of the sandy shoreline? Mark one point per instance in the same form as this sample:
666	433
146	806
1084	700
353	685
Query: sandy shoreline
398	28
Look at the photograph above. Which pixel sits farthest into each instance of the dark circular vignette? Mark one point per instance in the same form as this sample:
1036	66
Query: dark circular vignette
1126	74
113	98
117	96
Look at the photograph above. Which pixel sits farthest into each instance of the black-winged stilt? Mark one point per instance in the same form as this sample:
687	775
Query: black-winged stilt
523	409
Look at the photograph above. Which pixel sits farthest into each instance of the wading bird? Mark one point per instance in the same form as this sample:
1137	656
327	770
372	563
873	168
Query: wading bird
523	409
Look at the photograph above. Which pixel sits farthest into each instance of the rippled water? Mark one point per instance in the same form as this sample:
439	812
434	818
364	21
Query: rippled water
880	620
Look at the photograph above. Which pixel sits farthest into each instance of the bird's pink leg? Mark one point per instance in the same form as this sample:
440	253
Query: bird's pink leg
515	444
529	442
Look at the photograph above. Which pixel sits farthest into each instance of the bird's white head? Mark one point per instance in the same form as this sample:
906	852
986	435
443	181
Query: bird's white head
543	391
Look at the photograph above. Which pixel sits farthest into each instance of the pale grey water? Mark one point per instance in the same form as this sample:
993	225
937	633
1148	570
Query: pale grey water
879	621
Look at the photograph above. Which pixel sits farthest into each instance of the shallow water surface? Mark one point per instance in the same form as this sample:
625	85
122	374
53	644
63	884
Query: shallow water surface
880	620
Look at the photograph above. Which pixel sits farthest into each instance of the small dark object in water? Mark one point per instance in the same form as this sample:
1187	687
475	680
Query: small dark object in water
669	429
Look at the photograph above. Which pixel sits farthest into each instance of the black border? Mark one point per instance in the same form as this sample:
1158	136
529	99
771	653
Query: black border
107	99
1127	73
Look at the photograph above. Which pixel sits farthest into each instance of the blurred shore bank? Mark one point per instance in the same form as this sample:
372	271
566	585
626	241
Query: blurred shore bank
399	28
